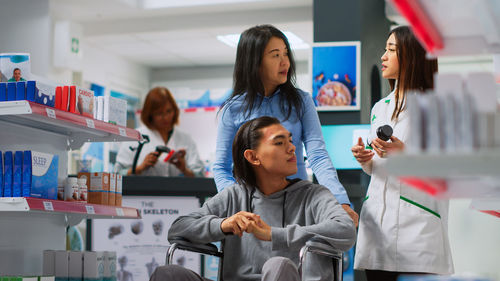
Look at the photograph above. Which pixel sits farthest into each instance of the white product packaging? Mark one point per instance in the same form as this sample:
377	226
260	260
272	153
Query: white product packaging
96	105
82	189
62	265
100	108
115	111
93	265
119	184
71	189
84	99
112	189
75	271
49	262
109	266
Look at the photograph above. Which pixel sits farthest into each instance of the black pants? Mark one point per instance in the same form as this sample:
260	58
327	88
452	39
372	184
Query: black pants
381	275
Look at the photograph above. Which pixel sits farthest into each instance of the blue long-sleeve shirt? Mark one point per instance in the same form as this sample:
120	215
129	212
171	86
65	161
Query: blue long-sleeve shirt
305	131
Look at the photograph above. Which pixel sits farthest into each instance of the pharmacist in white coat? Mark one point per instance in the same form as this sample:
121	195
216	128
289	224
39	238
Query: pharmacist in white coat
159	115
402	230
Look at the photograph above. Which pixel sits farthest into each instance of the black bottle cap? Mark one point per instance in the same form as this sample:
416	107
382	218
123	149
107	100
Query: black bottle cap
384	132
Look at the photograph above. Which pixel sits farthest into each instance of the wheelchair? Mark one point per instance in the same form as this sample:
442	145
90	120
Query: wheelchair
314	246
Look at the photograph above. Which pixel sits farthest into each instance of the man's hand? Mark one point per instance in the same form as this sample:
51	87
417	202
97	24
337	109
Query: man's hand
354	216
238	223
260	229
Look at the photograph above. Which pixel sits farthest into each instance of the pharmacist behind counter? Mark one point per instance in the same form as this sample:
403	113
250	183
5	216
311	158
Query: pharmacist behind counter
160	115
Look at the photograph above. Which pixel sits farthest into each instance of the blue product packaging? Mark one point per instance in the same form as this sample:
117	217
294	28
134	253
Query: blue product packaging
21	90
45	94
7	174
1	174
30	90
26	187
44	169
3	91
17	174
11	91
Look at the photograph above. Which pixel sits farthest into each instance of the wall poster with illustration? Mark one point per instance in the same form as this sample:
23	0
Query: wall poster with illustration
335	69
141	245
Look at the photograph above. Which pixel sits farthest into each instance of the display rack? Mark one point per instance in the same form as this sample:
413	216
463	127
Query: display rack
471	28
78	128
31	225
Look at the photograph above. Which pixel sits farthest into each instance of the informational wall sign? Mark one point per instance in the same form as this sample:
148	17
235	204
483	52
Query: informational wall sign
141	245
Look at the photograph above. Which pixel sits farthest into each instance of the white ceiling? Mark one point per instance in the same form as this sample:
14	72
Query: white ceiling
174	37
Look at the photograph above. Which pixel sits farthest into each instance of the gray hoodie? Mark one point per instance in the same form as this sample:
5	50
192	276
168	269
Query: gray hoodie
296	214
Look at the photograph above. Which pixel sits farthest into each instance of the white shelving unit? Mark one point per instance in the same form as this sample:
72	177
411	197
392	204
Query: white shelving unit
453	28
31	225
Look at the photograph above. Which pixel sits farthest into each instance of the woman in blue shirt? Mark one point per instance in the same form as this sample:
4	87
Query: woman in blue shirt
263	84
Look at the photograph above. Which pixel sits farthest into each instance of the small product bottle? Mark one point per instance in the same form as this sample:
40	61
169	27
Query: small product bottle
71	189
82	189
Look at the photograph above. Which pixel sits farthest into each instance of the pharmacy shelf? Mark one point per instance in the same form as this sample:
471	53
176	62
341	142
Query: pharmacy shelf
79	209
461	175
478	163
77	128
472	28
31	225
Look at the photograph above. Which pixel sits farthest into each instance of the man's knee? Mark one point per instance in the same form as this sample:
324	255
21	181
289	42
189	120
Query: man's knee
173	272
280	268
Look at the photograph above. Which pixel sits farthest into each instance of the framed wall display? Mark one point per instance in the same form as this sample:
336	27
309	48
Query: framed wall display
336	68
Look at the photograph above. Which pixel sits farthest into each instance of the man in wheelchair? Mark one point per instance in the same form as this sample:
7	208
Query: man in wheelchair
266	218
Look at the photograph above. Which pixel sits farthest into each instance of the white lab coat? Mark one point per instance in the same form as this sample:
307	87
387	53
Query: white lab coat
178	140
401	228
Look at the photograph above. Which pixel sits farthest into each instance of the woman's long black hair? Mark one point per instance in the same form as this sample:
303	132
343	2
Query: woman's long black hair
416	72
246	75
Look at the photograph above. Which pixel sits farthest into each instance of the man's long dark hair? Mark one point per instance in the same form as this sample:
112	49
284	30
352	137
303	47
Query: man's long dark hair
416	72
246	75
248	137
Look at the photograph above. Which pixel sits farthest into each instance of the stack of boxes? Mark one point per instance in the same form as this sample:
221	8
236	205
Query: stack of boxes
76	266
28	174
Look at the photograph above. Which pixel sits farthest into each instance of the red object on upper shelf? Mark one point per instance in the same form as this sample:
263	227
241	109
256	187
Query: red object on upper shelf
432	186
75	126
423	27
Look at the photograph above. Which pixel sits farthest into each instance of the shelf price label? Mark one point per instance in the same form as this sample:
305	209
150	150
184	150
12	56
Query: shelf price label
90	123
119	212
90	209
50	113
47	205
122	132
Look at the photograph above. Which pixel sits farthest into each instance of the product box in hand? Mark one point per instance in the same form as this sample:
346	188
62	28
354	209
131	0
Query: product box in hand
93	266
44	170
99	188
81	101
45	94
115	111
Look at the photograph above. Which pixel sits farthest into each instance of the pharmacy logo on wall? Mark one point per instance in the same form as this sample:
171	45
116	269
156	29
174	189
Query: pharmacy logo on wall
75	45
